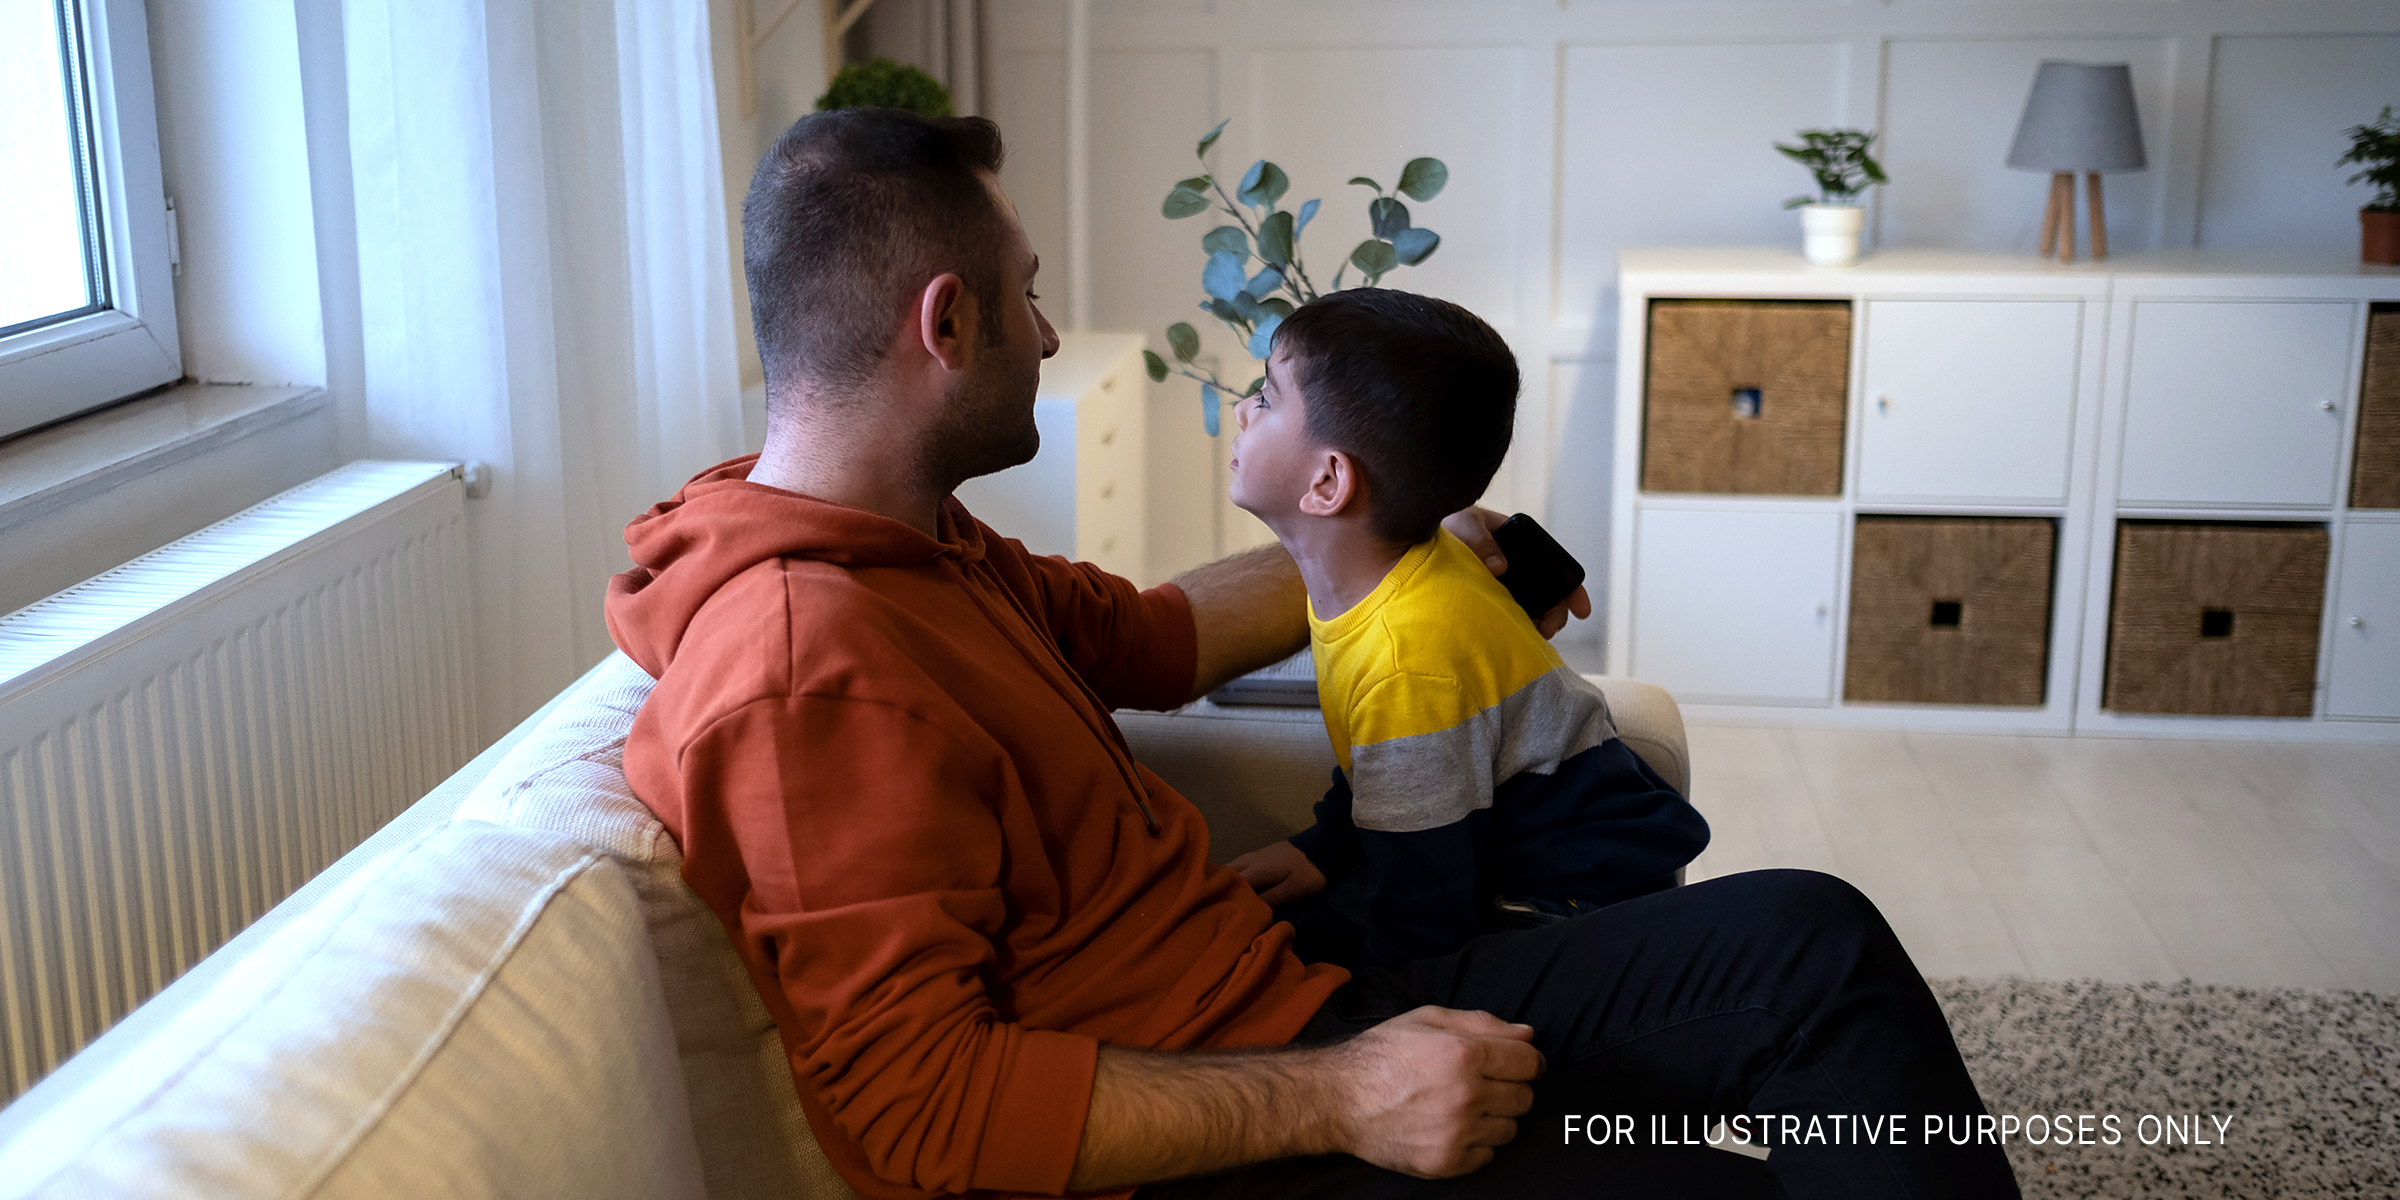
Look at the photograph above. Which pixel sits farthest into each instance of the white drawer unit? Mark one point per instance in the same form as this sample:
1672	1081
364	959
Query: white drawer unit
2237	403
2170	408
2365	675
1083	495
1737	605
1968	400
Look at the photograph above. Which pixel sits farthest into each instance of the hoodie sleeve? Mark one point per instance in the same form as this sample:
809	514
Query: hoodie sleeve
1137	649
850	848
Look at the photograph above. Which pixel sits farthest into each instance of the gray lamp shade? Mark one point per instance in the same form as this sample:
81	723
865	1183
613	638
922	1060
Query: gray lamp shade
2080	117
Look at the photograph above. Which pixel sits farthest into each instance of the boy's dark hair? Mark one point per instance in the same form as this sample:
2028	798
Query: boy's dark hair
1419	392
850	214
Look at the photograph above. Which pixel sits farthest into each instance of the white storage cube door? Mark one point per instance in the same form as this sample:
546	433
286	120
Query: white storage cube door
2236	403
2366	624
1969	400
1735	606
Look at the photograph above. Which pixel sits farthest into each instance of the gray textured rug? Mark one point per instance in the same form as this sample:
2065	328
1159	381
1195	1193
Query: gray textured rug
2306	1079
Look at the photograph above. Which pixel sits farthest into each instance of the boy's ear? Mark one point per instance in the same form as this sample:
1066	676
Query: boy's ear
1335	487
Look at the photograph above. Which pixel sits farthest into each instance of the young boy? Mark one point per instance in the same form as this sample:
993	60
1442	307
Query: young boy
1482	785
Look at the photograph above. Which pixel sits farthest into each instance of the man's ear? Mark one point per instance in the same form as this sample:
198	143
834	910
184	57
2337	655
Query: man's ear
944	320
1335	487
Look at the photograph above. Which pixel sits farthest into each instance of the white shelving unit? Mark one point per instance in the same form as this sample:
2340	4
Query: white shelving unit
2179	386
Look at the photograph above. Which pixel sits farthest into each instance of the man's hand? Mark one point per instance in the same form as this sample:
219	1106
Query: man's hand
1429	1092
1279	873
1474	526
1433	1090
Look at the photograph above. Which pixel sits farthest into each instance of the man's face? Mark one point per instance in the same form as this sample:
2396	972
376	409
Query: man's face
986	423
1274	458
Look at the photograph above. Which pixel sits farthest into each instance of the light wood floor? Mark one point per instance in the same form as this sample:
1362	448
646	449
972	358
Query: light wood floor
2245	863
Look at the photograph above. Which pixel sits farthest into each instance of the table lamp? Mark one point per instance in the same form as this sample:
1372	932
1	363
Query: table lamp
2080	117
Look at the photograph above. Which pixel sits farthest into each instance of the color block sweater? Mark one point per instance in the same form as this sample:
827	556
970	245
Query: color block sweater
1474	764
890	764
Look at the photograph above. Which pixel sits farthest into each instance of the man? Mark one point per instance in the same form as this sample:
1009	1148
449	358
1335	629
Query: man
990	938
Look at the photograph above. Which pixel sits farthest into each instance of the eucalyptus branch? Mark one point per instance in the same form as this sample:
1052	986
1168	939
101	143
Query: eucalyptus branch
1253	318
1210	379
1304	291
1296	280
1232	208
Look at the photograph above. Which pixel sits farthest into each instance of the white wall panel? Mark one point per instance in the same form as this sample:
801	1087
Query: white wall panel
1146	268
1367	112
1950	112
1581	450
1027	95
2277	109
1674	144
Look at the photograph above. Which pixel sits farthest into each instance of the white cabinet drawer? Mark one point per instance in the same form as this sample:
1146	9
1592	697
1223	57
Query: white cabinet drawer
1969	400
2236	403
1736	606
2366	625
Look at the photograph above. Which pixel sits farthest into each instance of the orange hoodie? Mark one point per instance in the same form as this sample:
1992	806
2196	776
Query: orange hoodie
890	763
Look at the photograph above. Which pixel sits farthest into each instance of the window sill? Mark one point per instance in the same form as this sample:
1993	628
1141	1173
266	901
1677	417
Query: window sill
44	471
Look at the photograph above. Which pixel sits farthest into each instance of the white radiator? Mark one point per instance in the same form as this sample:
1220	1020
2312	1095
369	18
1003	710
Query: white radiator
186	739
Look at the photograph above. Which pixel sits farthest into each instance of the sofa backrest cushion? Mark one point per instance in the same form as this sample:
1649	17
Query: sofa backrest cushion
567	777
475	1014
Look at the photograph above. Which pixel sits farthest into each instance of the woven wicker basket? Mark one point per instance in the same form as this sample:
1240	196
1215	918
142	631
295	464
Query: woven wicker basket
1746	396
2375	479
1950	610
2218	620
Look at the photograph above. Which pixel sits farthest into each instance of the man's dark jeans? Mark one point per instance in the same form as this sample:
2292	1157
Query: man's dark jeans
1773	992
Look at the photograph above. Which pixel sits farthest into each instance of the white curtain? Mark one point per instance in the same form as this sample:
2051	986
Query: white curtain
544	288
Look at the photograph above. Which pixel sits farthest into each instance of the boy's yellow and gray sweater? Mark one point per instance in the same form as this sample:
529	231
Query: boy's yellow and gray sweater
1474	765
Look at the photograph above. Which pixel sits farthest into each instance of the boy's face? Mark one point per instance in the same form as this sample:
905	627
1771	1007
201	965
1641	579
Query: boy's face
1274	459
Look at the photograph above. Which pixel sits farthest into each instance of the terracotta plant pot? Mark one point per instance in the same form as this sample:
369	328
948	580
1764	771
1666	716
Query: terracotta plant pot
2379	236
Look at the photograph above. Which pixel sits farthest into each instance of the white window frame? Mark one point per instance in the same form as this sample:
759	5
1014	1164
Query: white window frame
98	358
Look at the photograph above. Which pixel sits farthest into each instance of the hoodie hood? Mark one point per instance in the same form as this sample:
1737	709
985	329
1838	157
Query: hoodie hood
720	524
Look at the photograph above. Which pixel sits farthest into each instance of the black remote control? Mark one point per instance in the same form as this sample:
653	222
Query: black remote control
1540	571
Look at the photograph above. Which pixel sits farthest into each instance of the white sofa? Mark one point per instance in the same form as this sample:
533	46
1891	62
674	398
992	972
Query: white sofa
509	991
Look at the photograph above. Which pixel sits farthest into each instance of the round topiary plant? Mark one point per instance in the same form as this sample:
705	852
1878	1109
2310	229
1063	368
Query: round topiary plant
882	83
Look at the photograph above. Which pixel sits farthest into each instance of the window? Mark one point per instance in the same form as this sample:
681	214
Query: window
87	310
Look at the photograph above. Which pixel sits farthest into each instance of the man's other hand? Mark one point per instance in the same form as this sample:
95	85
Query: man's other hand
1433	1090
1474	526
1279	873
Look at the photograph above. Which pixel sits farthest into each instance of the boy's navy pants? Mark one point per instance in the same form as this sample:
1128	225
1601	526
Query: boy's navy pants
1769	993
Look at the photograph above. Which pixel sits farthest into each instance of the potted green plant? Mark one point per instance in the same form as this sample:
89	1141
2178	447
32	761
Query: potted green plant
2376	149
1829	223
1258	256
883	83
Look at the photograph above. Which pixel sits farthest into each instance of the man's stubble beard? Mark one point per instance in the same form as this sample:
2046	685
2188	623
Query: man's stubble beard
987	426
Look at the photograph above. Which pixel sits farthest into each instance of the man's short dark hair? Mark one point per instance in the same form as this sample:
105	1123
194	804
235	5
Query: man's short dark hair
1419	392
850	214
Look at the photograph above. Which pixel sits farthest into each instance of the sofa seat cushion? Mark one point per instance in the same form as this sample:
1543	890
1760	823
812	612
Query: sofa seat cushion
474	1014
567	777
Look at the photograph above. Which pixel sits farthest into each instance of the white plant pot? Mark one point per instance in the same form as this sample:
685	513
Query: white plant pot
1829	233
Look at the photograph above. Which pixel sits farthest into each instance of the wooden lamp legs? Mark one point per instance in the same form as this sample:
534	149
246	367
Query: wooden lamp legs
2091	187
2058	221
2050	221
